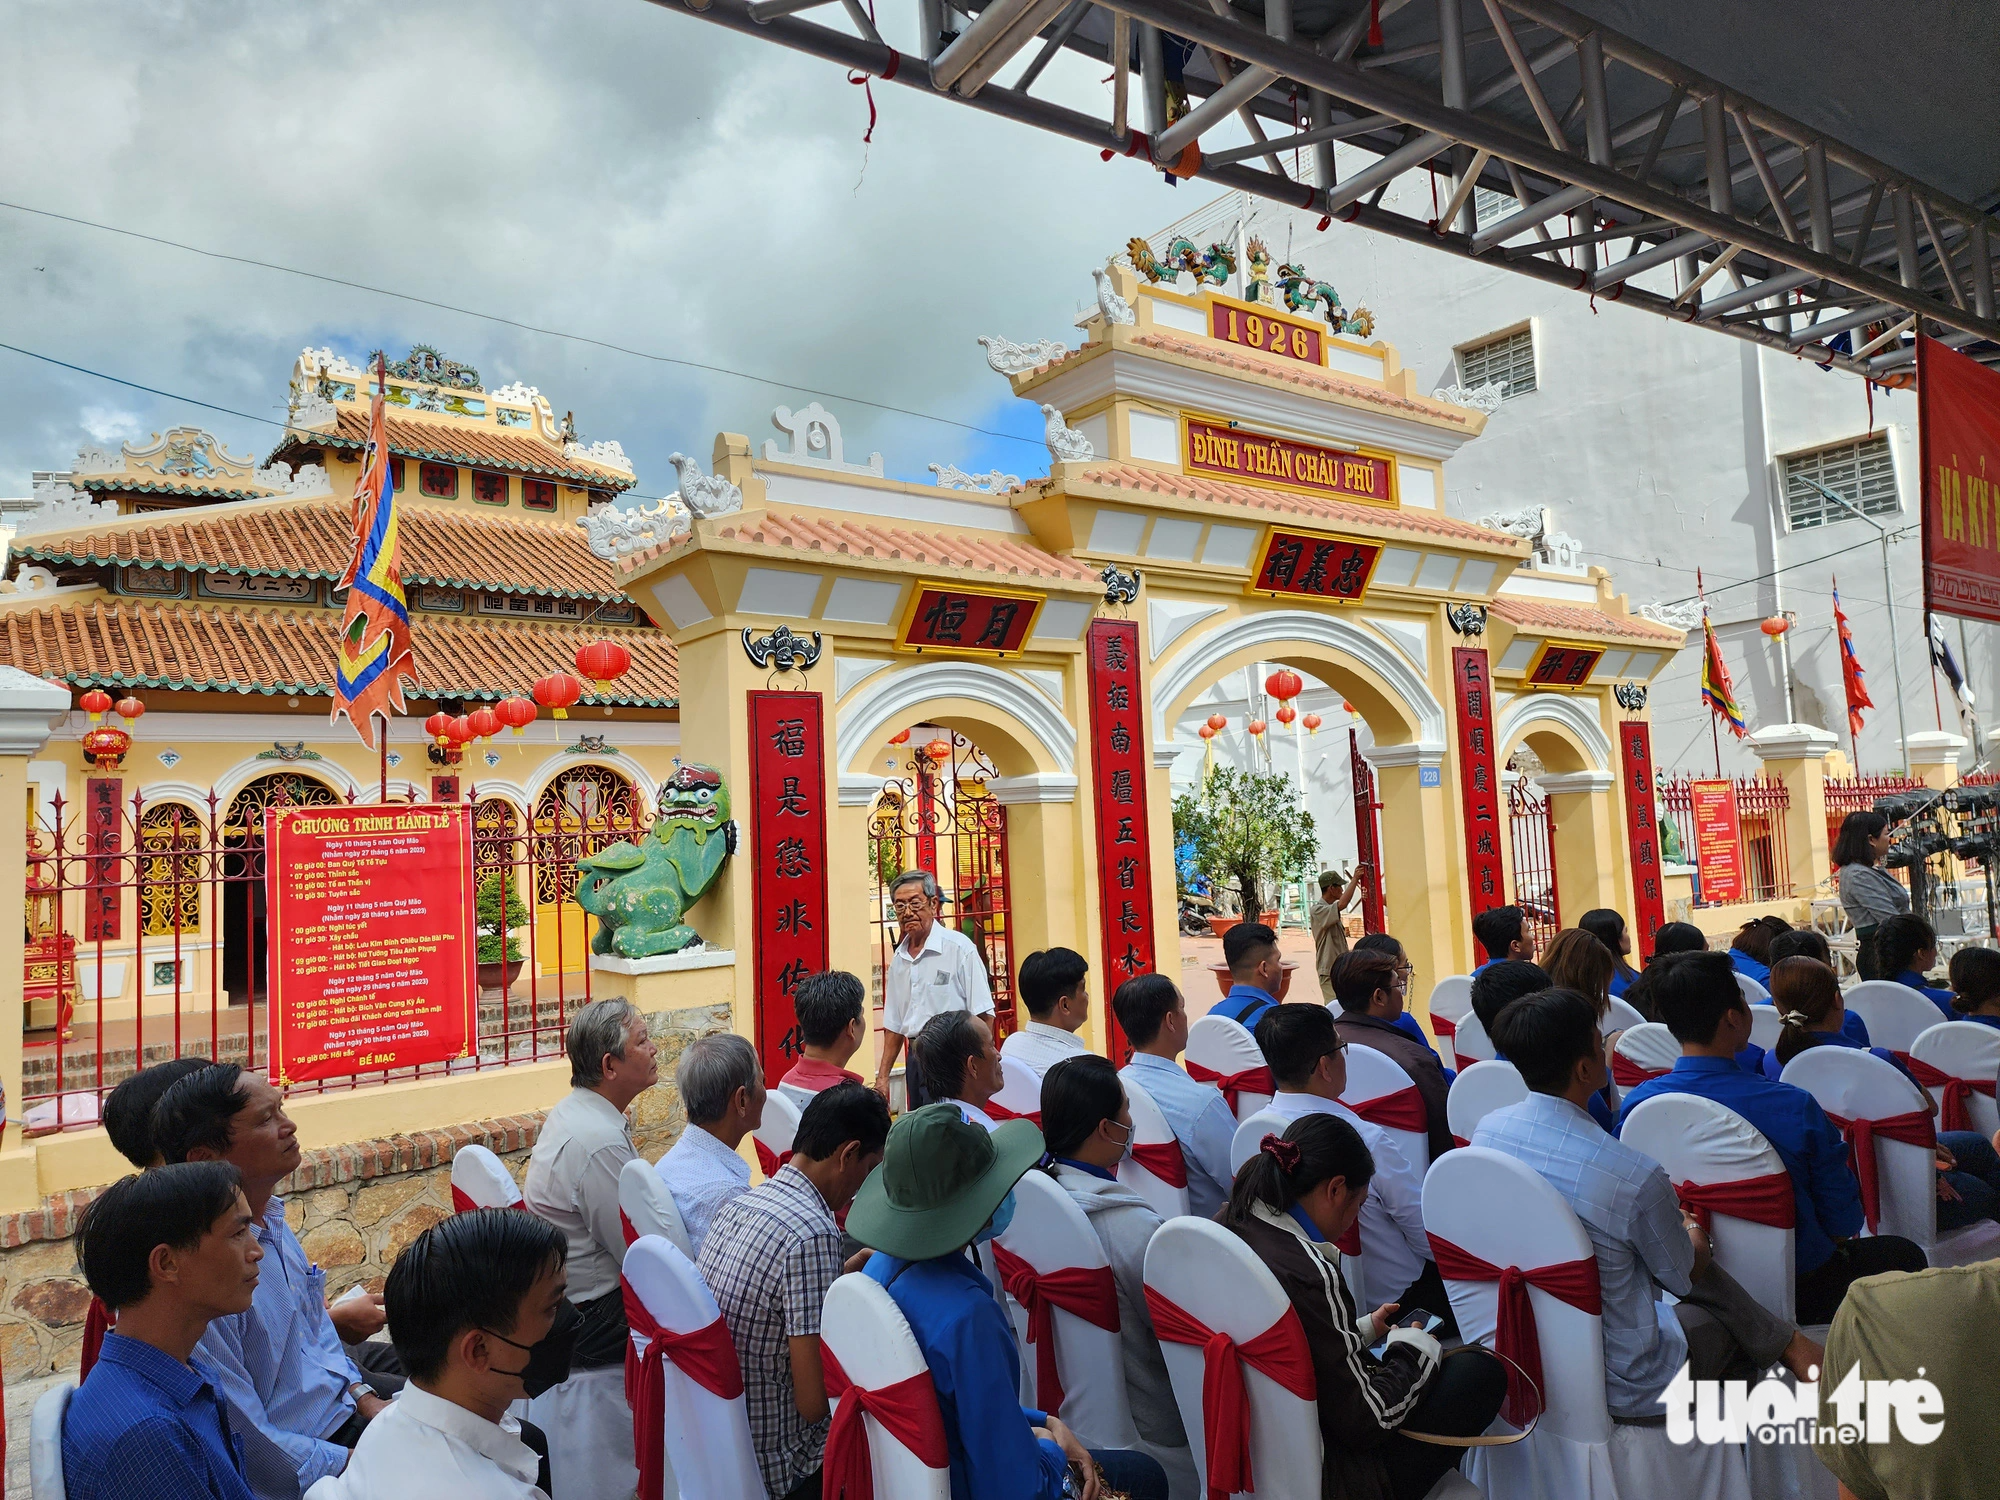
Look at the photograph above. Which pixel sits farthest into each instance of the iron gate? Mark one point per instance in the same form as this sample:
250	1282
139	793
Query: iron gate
1531	826
1367	832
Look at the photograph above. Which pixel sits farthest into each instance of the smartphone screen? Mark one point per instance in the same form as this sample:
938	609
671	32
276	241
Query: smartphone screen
1415	1318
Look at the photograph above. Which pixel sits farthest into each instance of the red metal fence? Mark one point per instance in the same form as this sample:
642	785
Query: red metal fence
1761	808
1852	794
1531	828
147	941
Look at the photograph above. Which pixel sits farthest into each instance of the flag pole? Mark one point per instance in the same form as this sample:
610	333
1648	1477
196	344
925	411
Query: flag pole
1714	737
1930	650
385	761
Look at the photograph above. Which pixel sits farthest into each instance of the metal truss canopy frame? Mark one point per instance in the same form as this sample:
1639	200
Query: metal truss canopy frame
1782	235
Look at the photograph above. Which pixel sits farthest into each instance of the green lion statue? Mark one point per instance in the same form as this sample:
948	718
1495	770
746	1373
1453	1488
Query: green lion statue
640	892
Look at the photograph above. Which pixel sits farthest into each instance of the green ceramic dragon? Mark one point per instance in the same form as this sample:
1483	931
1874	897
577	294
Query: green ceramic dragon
640	892
1216	264
1302	293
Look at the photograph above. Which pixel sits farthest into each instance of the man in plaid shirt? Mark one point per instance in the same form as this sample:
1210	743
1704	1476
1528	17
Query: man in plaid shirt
769	1258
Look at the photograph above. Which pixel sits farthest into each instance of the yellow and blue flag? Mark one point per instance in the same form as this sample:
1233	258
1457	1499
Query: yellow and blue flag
373	662
1717	691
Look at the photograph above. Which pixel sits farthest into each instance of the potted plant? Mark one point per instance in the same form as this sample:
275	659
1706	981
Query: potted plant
1248	831
497	910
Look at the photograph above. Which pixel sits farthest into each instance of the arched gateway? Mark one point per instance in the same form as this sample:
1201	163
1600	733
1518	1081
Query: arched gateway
1211	506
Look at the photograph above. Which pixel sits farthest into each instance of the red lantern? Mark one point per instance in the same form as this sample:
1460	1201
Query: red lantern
900	737
1217	722
461	730
1207	731
1347	708
96	703
557	692
1312	723
438	727
939	750
105	747
1285	714
1255	726
1284	685
484	723
129	708
1775	626
603	661
516	713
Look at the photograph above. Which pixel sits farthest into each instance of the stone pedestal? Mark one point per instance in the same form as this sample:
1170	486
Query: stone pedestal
1933	757
673	981
1795	754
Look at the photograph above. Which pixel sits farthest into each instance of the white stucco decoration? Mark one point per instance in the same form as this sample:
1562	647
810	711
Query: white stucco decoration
952	477
1683	616
1481	398
61	508
816	441
1571	711
1114	307
1009	358
704	494
616	532
1066	444
311	479
893	697
610	453
848	670
1411	637
1170	619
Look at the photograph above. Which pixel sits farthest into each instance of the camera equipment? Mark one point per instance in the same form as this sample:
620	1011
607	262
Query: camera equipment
1899	807
1915	847
1972	801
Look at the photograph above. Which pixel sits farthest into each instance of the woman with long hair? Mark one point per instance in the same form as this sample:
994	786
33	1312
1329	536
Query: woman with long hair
1869	894
1577	961
1609	928
1087	1127
1292	1200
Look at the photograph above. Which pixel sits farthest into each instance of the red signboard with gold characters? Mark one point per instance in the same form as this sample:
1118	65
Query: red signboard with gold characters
788	861
1642	832
1563	666
1260	328
1472	685
1223	450
1308	565
1119	764
1958	425
968	622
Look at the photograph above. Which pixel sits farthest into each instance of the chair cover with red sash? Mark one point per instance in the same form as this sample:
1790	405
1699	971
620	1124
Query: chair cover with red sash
1479	1090
1915	1128
1514	1337
1953	1091
768	1160
908	1410
1279	1352
705	1355
1089	1293
1164	1160
1643	1053
1629	1075
1402	1110
1761	1200
479	1179
1234	1085
998	1111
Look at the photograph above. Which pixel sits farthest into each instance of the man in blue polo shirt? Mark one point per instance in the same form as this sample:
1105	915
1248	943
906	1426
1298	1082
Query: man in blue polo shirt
167	1251
1698	999
1256	973
1502	932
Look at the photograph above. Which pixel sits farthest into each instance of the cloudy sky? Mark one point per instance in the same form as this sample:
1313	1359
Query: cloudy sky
607	168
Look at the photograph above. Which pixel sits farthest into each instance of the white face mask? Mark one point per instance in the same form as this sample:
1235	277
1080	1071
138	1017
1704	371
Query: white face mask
1126	1151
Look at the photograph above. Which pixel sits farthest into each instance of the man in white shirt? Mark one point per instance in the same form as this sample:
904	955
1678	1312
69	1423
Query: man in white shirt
932	970
953	1061
573	1183
1308	1062
1055	987
480	1318
722	1089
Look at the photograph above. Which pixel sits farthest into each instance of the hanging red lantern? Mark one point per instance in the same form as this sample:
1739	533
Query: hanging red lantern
1217	722
900	737
461	730
939	750
1207	731
602	662
1284	684
1255	726
1347	708
1285	714
484	722
1775	626
129	708
104	748
96	703
1312	723
557	692
517	713
438	727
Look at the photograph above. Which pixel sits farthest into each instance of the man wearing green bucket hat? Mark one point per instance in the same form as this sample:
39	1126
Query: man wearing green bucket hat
943	1186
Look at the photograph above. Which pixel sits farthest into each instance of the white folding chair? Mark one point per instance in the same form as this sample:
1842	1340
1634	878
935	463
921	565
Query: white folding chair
862	1328
1643	1052
1226	1049
1895	1014
1381	1092
1500	1210
1765	1026
1962	1057
1753	992
1155	1167
1249	1137
1478	1091
1471	1044
45	1465
707	1435
1450	1004
479	1179
1622	1016
1020	1096
646	1207
774	1133
1050	1233
1249	1140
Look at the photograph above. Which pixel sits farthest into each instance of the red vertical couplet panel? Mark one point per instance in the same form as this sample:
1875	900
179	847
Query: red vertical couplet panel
1119	759
1642	834
373	948
788	863
103	797
1958	429
1718	841
1479	782
1368	848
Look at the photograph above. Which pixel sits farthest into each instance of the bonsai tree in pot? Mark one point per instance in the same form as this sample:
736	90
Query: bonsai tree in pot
497	910
1248	830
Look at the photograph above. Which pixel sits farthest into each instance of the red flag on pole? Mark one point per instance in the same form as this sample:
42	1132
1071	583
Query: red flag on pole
1851	673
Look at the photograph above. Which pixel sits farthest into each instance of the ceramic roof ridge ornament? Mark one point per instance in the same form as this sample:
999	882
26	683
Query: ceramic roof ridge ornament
952	477
1066	444
614	532
1114	307
704	494
1215	265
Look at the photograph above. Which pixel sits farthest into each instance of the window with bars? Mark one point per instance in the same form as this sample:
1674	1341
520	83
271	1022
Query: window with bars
1490	207
1863	474
1510	357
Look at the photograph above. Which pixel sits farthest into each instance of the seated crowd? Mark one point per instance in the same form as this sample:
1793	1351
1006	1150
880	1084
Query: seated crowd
224	1370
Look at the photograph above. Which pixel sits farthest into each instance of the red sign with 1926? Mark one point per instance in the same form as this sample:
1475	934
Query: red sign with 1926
1259	328
975	622
1333	568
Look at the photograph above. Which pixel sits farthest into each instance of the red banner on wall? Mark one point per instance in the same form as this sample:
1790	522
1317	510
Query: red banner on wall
1226	450
103	890
1958	428
1642	834
1718	840
788	863
1479	781
1120	760
372	940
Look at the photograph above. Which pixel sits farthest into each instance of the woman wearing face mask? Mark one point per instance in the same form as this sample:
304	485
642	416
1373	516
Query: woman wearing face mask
1088	1128
944	1185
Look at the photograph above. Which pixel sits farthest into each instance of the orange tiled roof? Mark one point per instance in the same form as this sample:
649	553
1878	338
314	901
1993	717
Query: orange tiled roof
448	441
1308	377
311	539
1284	502
205	648
937	549
1536	615
135	483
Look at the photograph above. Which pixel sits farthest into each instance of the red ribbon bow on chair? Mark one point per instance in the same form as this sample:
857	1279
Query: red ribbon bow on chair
1402	1110
1514	1335
1255	1080
1164	1160
1955	1091
768	1159
706	1356
1913	1129
998	1111
908	1412
96	1323
1280	1352
1761	1200
1091	1294
463	1202
1443	1026
1629	1075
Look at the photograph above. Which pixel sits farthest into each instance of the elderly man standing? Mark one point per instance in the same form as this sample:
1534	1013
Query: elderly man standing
573	1183
933	970
722	1090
